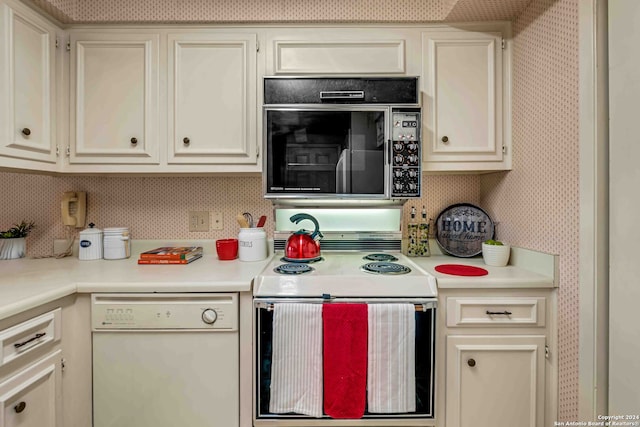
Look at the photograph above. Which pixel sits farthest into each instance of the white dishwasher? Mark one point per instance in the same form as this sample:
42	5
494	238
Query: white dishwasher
165	360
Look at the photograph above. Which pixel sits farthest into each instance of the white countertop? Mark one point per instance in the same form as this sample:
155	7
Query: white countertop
498	277
27	283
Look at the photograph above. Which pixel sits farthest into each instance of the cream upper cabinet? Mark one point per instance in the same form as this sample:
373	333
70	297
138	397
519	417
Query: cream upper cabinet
465	85
27	76
114	98
342	51
212	98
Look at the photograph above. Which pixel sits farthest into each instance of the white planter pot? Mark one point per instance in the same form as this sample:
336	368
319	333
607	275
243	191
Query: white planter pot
13	248
496	255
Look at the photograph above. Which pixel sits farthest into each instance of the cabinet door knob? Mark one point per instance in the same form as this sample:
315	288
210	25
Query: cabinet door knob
20	407
26	131
134	140
471	362
445	139
185	140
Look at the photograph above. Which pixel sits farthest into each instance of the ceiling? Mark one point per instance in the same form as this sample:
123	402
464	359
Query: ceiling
220	11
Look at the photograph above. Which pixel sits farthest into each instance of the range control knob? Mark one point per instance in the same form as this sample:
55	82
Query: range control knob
398	146
209	316
397	186
398	159
413	186
397	173
413	173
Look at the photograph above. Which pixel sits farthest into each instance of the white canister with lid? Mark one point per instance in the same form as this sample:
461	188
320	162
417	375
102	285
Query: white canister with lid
90	244
252	244
117	243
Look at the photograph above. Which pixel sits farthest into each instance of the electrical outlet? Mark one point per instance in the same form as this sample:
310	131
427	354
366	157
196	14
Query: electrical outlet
216	221
199	221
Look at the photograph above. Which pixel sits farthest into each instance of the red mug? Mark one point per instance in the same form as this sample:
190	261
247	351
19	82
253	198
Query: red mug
227	249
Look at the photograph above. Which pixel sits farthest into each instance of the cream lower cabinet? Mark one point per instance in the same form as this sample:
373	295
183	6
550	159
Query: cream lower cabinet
31	370
212	98
28	81
499	358
114	98
32	398
466	100
495	381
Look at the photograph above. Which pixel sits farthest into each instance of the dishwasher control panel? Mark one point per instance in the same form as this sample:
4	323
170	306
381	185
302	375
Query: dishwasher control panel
164	311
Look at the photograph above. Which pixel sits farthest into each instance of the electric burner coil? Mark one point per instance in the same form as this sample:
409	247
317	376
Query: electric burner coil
385	268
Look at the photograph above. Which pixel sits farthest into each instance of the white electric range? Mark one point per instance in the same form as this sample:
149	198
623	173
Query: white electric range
341	277
343	274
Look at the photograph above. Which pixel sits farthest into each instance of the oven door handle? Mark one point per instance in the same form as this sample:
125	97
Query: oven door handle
422	304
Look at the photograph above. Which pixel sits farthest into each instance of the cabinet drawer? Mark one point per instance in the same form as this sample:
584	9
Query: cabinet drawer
24	337
508	312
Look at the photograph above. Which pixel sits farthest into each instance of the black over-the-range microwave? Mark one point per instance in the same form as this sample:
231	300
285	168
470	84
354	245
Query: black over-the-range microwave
341	138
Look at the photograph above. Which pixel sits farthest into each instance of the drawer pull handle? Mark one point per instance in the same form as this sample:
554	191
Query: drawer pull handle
134	141
20	344
26	131
20	407
499	313
471	362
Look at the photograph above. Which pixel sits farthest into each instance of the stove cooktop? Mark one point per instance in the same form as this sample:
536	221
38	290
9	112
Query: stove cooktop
340	274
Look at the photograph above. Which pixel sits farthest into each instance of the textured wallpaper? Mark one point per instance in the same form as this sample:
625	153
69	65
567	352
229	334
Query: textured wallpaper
157	208
537	202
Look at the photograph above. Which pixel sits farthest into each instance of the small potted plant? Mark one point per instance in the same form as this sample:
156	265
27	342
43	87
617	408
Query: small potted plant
495	253
13	241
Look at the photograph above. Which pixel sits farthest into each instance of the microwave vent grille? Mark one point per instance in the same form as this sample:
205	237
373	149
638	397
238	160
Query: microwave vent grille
351	245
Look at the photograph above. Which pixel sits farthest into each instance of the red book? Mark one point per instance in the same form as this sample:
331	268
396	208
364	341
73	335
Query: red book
169	261
172	253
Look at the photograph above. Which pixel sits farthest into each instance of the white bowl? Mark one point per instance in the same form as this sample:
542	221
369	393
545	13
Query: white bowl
496	255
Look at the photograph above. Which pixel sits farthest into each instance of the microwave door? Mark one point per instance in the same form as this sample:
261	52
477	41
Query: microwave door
343	173
366	172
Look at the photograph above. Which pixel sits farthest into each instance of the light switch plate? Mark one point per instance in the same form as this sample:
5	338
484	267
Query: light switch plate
199	221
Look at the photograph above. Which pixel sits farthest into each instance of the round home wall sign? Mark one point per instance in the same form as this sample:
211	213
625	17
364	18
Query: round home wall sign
461	229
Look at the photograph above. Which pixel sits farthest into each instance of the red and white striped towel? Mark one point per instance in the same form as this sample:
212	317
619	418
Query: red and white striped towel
296	366
391	373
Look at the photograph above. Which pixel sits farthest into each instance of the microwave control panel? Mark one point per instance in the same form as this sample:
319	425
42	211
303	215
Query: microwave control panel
405	154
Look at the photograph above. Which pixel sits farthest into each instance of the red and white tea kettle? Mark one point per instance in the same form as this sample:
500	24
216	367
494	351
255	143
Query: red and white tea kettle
302	245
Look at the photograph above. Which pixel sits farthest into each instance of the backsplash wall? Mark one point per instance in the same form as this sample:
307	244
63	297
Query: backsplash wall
157	207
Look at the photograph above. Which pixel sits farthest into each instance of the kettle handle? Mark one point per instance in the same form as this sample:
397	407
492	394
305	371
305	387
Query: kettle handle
302	216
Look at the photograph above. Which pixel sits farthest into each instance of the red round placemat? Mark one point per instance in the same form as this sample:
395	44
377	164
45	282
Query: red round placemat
461	270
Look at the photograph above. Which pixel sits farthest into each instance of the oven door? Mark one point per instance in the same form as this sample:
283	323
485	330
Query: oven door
327	151
425	318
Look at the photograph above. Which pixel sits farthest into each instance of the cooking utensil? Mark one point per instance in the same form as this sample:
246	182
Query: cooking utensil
242	221
261	221
249	218
302	244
